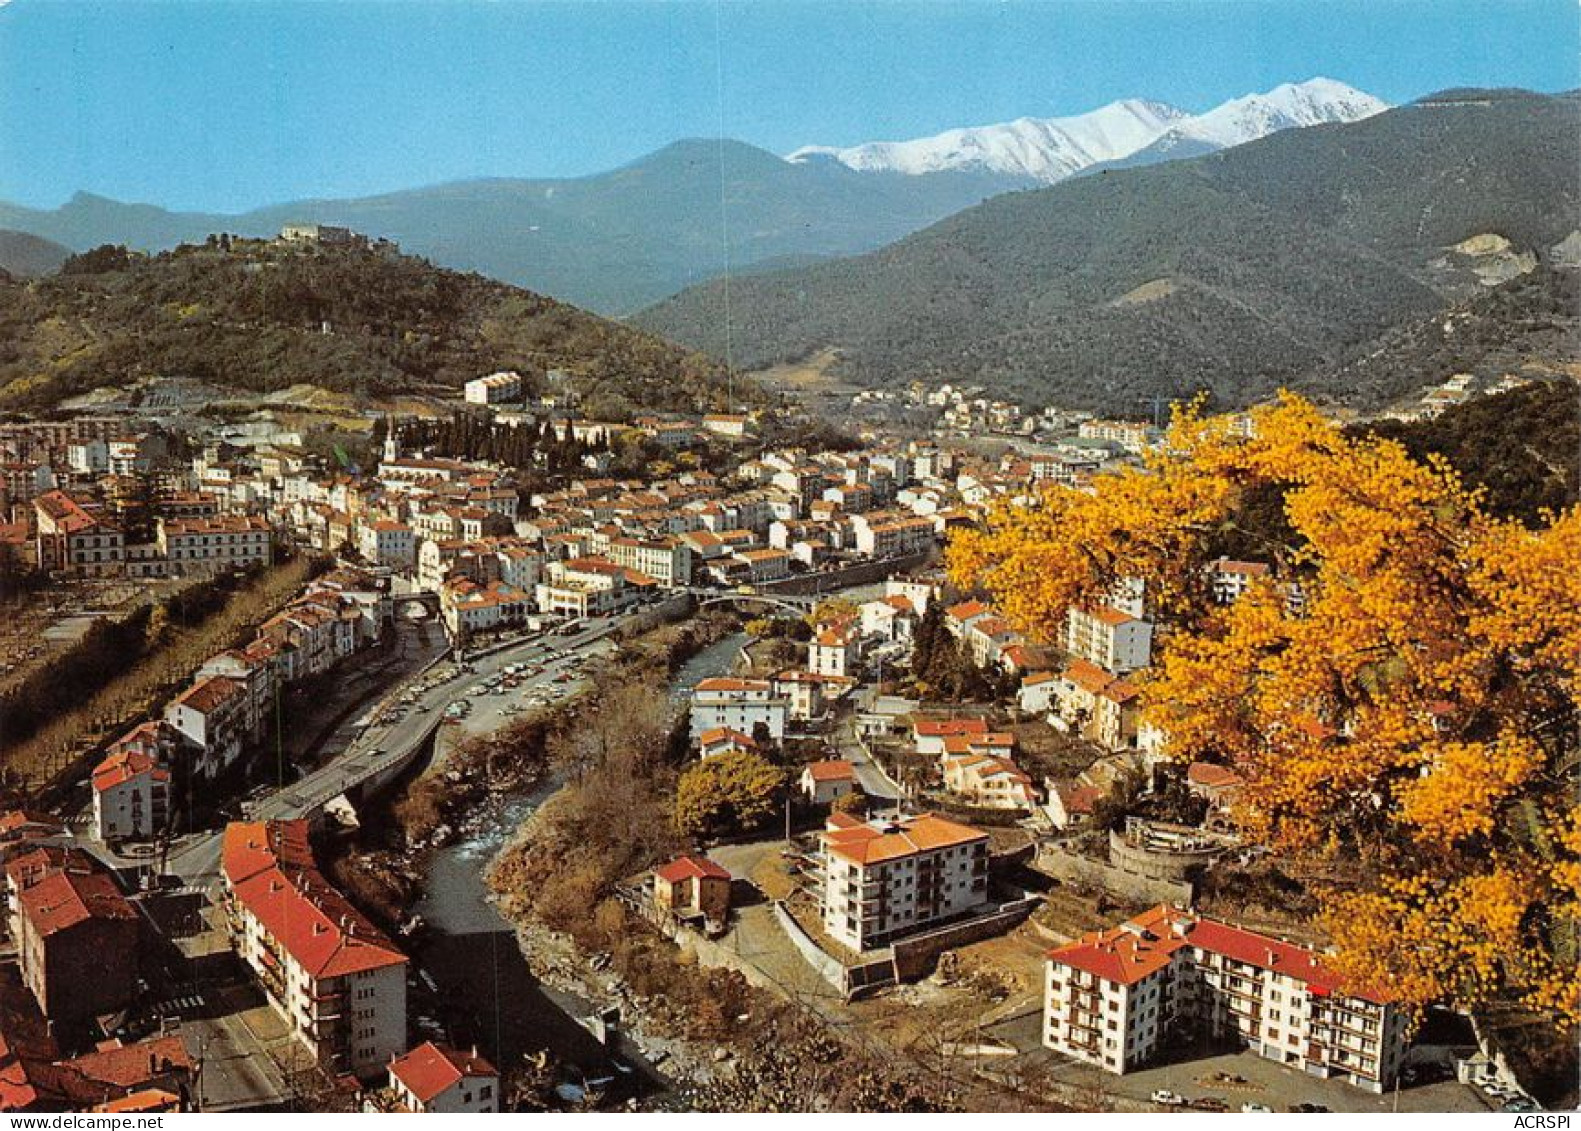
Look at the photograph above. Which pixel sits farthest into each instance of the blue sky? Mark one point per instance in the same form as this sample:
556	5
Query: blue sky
229	104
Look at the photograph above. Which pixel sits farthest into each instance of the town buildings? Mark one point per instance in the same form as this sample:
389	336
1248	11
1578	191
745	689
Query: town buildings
1115	998
496	388
739	705
131	792
76	937
825	782
439	1080
335	978
885	878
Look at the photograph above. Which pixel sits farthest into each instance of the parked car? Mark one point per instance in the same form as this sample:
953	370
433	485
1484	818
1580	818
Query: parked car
1208	1103
1165	1096
1256	1109
1307	1107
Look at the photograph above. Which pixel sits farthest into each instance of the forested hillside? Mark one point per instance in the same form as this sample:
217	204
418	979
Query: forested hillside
1521	446
259	316
1235	272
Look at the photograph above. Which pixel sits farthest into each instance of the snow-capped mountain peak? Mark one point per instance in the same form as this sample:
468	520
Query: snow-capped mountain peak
1051	149
1287	106
1045	149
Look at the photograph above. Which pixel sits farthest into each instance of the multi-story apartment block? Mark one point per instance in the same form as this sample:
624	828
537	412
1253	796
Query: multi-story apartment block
131	794
384	542
739	704
76	938
496	388
1109	638
221	542
883	879
70	538
1114	998
1230	579
893	537
667	560
335	978
211	716
834	649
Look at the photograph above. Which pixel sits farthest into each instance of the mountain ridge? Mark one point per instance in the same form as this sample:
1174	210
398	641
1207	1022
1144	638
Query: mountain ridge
1269	260
1136	131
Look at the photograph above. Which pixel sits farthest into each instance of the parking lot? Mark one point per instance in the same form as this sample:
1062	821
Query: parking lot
1260	1082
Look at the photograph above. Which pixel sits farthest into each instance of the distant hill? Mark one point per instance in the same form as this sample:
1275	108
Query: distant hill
263	317
613	242
1236	272
1520	446
27	255
1527	327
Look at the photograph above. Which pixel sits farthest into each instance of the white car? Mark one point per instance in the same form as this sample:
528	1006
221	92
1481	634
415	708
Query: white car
1172	1099
1256	1109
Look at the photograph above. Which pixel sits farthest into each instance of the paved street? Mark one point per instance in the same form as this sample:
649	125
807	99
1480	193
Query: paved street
384	748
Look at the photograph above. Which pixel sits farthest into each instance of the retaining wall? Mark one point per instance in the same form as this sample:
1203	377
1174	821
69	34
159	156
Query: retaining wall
1084	871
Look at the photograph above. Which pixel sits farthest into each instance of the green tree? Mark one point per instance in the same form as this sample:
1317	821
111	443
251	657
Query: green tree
726	794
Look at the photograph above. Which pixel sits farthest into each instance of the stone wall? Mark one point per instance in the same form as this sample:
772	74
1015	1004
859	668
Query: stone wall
1083	871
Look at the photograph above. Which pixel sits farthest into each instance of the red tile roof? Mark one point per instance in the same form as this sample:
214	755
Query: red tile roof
70	897
831	769
123	766
941	728
726	734
270	868
1211	776
690	867
1127	953
429	1069
871	843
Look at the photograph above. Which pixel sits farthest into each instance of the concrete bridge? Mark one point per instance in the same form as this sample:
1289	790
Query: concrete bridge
786	601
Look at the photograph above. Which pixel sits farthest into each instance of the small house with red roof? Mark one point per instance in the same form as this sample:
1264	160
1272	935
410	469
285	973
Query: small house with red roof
724	740
825	782
692	885
439	1080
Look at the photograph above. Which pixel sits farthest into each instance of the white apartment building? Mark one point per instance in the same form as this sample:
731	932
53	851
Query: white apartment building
1113	998
1231	579
131	794
384	542
211	716
1109	638
834	649
336	980
667	560
882	879
739	704
221	541
892	537
497	388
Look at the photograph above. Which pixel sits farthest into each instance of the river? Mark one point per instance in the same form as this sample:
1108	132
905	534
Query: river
490	995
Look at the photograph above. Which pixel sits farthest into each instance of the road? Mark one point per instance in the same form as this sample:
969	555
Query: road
384	746
869	774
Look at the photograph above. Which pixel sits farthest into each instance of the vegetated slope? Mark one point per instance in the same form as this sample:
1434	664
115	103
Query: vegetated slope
1529	326
613	242
25	255
258	316
1278	256
1520	445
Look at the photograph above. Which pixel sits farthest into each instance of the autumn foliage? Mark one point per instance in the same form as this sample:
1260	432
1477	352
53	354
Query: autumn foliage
1400	696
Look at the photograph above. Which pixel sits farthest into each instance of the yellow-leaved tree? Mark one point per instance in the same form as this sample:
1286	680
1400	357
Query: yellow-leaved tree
1400	697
